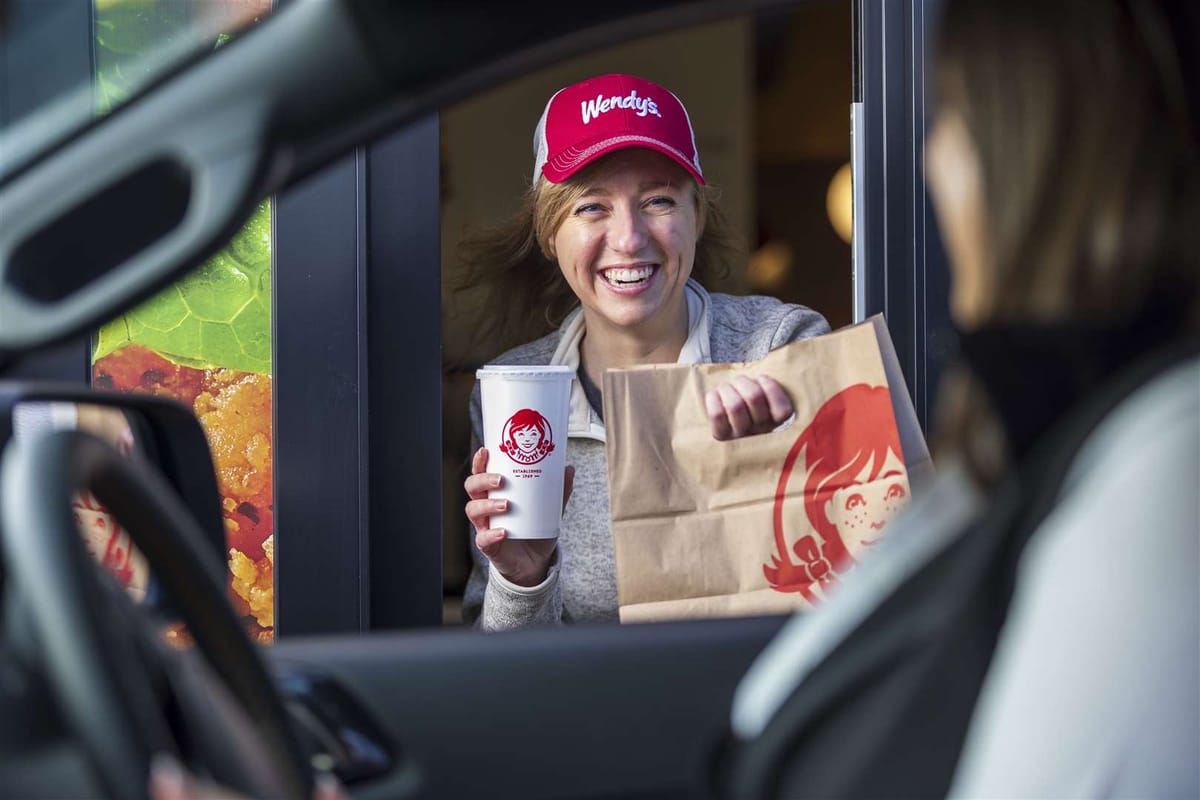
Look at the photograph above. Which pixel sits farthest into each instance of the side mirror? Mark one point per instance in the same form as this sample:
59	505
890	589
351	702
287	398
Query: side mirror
156	433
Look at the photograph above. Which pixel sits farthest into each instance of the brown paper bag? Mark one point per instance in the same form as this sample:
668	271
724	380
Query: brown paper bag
765	523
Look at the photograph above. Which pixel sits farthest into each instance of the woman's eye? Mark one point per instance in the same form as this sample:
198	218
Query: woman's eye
588	208
895	492
660	202
854	501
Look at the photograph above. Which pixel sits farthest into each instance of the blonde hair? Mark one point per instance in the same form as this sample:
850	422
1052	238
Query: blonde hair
512	273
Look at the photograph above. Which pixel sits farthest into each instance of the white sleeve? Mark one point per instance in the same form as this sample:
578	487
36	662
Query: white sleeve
1095	687
36	417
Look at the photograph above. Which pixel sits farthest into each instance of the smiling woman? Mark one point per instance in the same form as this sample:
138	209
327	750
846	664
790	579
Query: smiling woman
616	227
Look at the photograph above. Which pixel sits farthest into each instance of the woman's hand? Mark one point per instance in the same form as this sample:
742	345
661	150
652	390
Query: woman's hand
107	422
169	781
524	562
745	406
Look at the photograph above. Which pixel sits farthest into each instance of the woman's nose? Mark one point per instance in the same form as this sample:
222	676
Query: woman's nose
627	232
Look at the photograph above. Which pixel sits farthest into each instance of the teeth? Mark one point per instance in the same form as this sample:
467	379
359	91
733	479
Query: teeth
628	275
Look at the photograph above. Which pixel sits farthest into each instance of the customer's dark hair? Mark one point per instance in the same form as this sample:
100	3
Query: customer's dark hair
1083	114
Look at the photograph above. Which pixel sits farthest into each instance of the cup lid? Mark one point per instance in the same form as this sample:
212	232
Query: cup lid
524	371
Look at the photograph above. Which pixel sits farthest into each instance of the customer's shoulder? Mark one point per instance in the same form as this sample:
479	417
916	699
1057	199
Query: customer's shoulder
539	351
1160	417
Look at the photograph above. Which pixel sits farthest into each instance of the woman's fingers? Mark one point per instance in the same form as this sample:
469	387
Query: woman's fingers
479	461
478	486
736	411
778	400
721	429
479	507
479	483
522	562
488	542
169	781
327	787
481	511
746	406
755	398
125	442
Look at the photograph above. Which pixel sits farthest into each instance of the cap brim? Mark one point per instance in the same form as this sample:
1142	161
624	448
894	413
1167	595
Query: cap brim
564	164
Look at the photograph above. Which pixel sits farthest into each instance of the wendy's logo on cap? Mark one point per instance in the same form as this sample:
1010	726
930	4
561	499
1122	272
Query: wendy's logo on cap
591	109
647	115
527	437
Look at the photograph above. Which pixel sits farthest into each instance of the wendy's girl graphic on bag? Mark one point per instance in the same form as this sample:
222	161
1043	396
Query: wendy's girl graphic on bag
853	481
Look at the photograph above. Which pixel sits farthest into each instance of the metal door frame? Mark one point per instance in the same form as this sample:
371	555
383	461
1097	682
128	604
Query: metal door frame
899	264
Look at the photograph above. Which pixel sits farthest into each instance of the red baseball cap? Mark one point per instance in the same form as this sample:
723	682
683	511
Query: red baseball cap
593	118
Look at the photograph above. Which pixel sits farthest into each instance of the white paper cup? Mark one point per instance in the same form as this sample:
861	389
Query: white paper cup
525	411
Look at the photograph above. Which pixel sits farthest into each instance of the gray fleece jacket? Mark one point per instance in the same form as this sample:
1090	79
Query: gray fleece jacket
581	585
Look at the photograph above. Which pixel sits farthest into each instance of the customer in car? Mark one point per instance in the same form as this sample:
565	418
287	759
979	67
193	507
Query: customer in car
1031	626
611	240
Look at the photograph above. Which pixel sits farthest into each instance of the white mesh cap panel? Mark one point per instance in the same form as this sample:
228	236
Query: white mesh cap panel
540	147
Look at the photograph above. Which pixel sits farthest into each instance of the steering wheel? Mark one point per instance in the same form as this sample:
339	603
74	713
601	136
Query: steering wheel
94	664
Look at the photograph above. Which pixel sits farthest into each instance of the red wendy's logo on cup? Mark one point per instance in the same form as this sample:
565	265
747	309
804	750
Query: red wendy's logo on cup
527	437
850	468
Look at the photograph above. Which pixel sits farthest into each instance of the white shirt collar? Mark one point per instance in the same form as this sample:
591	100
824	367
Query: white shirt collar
585	422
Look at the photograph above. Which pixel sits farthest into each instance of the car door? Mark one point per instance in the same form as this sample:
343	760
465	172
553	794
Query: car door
587	711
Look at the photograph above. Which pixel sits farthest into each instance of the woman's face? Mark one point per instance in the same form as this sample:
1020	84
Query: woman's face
527	438
626	247
955	182
861	509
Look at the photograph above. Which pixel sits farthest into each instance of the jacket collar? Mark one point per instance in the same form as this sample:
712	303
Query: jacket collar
583	420
1064	363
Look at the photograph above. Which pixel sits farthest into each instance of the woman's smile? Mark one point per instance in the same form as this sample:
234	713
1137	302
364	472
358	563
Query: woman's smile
629	279
527	439
627	245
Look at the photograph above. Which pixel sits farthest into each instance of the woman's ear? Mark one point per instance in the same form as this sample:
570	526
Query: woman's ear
546	245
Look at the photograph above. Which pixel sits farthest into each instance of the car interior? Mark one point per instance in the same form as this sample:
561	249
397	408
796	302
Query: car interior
104	204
